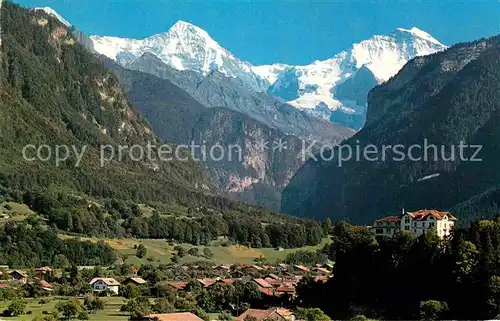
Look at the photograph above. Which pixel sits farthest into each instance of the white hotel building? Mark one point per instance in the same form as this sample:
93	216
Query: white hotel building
416	222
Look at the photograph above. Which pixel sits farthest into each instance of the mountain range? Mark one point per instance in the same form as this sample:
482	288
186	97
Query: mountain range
187	57
191	88
340	83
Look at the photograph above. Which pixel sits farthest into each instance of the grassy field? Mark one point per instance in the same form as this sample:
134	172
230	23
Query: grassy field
10	211
160	252
111	310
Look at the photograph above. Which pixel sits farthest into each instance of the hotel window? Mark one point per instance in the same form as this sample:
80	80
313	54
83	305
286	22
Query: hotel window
407	228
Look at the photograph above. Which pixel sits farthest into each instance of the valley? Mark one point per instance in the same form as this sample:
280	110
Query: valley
277	230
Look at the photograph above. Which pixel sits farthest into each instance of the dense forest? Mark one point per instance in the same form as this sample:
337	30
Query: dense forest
409	278
240	223
31	244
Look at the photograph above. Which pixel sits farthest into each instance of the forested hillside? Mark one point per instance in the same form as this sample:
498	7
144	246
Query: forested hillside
442	99
54	92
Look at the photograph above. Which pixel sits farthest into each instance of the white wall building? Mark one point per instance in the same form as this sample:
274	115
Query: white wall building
416	222
105	284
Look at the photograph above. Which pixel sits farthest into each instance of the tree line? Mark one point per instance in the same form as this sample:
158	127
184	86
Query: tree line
408	277
198	225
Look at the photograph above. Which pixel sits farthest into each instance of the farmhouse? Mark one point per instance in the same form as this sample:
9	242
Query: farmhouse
105	284
417	222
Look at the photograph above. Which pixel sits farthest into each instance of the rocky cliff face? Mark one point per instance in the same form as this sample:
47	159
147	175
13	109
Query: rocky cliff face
445	98
253	170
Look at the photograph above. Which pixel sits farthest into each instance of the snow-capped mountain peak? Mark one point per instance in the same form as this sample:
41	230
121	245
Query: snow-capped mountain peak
270	72
343	81
183	46
420	34
53	13
340	83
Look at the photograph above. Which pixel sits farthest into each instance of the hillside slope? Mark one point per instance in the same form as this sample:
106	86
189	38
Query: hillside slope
54	92
257	176
443	98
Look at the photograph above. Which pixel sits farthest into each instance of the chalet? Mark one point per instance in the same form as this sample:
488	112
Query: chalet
136	281
417	222
206	282
184	316
270	314
105	284
19	276
44	272
177	286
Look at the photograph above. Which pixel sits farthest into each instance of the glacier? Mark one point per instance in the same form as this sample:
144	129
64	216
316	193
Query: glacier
334	89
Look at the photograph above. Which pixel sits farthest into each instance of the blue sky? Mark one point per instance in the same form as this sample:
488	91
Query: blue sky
283	31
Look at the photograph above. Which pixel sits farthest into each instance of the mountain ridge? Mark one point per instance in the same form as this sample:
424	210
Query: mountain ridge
309	87
445	98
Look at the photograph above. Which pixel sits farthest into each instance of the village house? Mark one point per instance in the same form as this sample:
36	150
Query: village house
105	284
302	268
136	281
417	222
223	267
321	271
177	286
44	272
19	276
46	286
206	282
277	314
